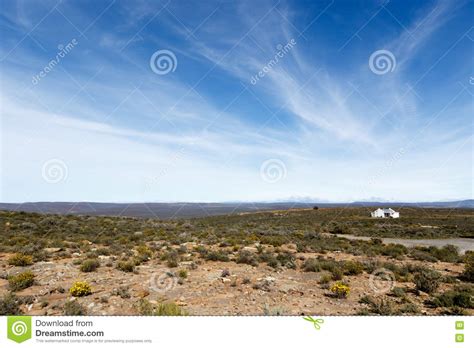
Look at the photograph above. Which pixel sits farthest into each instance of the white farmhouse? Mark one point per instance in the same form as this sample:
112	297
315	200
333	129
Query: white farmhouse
385	213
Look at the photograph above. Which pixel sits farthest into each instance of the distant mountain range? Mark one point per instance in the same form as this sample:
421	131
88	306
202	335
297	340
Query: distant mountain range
187	210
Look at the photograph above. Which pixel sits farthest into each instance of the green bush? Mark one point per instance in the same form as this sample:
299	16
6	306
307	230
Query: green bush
421	255
144	307
21	281
172	258
247	257
468	273
394	250
448	253
312	265
89	265
217	256
169	309
378	306
126	266
286	260
353	267
460	296
10	305
325	279
427	280
144	254
20	260
74	308
398	292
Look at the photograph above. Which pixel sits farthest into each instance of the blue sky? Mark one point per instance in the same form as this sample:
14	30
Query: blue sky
86	118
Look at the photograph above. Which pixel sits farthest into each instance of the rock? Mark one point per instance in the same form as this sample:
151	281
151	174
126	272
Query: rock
138	233
52	250
250	249
226	280
288	247
225	273
143	293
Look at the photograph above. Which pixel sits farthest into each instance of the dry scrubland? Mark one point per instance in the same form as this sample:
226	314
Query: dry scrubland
281	262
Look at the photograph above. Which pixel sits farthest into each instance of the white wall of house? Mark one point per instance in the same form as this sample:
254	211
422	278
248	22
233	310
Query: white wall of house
385	213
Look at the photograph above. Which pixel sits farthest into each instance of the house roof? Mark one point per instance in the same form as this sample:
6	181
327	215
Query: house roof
386	210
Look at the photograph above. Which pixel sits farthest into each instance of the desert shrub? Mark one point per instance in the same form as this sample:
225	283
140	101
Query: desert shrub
448	253
339	229
421	255
460	296
340	290
287	260
427	280
394	250
398	292
10	305
468	273
247	257
144	307
74	308
336	268
144	253
325	279
20	260
89	265
217	256
172	258
337	273
80	289
378	306
312	265
182	273
122	292
353	267
409	308
272	261
126	266
169	309
273	311
21	281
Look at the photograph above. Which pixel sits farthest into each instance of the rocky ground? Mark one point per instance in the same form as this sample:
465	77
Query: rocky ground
212	287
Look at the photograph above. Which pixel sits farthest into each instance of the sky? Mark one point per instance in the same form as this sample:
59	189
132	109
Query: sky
216	101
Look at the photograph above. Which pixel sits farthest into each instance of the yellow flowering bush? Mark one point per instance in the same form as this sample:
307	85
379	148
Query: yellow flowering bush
340	290
80	289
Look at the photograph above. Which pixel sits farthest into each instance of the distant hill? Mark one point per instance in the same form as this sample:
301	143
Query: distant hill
186	210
